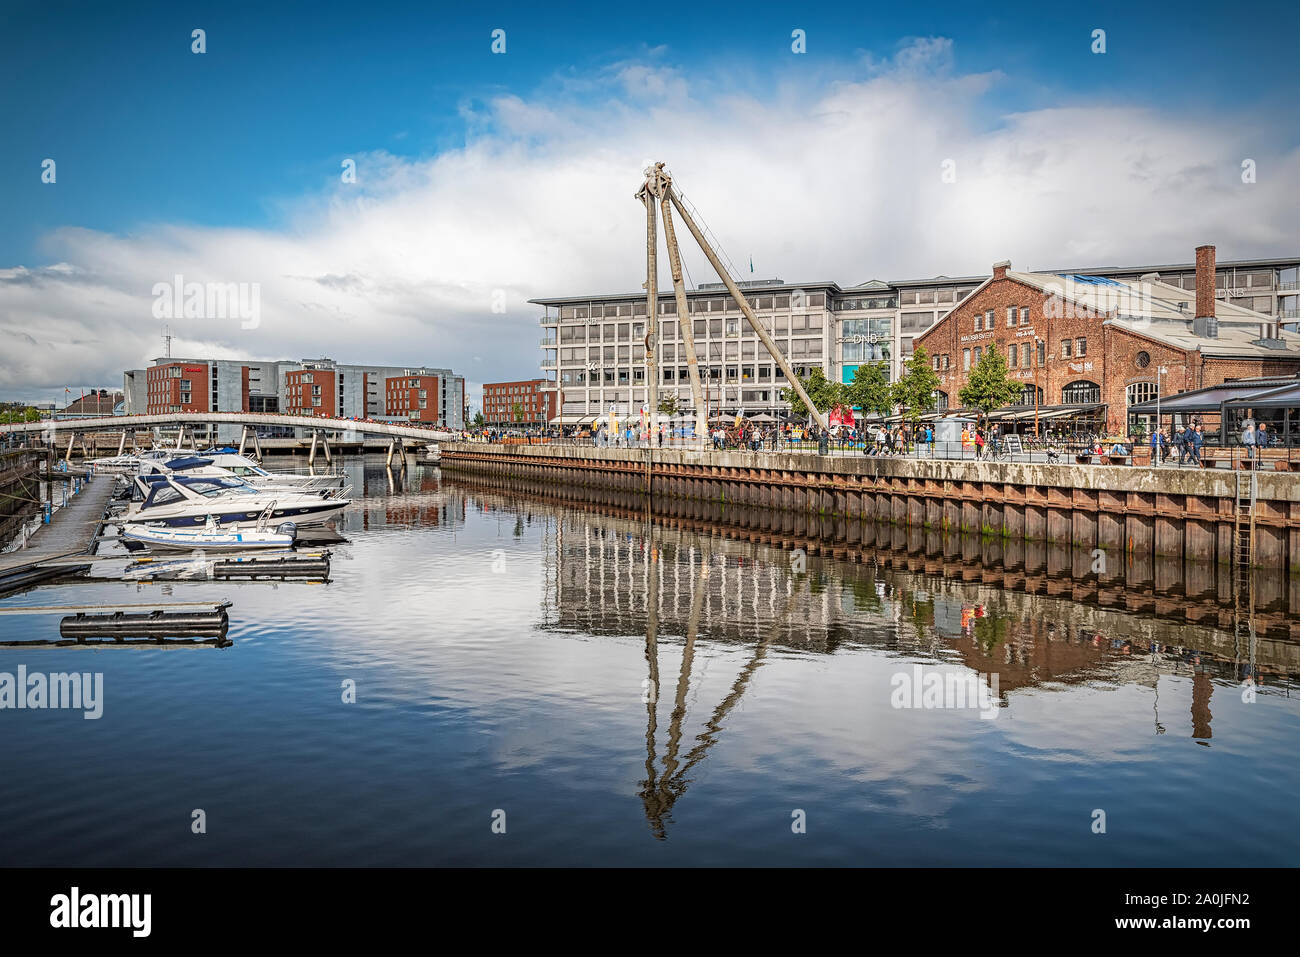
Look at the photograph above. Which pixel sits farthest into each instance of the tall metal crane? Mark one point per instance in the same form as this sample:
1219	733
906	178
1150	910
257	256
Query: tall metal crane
658	185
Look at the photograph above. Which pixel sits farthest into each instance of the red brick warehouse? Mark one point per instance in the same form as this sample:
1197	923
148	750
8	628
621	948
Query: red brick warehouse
1098	344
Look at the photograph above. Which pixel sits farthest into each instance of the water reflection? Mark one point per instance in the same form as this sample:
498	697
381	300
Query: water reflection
1040	617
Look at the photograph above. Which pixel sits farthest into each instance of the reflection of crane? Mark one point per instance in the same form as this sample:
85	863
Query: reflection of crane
659	794
659	185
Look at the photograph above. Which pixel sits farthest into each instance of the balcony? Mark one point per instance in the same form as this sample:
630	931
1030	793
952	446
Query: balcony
548	364
1288	313
549	343
549	320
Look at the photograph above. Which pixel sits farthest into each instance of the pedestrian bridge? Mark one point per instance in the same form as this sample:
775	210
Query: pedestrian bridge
349	428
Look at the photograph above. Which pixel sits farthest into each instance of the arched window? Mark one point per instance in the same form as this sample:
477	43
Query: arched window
1140	392
1027	395
1081	392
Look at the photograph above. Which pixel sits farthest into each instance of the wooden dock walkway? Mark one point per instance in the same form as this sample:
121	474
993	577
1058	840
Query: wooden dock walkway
71	533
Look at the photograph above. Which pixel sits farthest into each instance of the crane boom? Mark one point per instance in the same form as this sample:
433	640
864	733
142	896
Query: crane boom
736	294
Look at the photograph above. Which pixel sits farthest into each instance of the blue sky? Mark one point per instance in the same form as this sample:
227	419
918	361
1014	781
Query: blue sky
145	131
242	145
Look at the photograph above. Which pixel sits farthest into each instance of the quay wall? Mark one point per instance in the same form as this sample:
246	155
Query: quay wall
1163	513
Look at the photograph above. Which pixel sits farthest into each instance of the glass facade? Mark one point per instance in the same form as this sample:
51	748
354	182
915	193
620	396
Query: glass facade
867	340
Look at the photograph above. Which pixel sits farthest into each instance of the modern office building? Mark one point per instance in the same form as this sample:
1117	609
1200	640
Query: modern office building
596	347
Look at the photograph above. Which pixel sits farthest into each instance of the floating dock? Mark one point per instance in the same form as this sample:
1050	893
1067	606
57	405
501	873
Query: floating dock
62	546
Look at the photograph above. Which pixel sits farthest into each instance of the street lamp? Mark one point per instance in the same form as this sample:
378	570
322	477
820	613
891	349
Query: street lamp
1160	370
1036	435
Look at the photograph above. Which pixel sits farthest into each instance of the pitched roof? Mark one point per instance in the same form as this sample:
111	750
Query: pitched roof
1164	313
94	404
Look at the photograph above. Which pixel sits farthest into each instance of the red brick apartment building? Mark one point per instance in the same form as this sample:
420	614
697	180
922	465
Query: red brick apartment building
500	398
413	397
180	387
310	392
1089	344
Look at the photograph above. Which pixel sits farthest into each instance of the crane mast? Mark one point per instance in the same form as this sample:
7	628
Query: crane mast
659	184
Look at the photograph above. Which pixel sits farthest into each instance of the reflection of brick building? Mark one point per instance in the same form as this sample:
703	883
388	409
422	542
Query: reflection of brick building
413	396
526	403
1085	341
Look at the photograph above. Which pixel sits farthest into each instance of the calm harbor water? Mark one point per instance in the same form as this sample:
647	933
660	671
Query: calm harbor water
629	693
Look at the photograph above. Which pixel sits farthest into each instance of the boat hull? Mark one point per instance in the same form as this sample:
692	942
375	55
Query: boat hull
309	514
207	539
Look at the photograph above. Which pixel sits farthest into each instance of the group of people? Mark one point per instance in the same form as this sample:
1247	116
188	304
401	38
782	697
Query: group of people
1187	442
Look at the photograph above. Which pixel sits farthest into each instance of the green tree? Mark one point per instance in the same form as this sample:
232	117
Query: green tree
517	412
30	415
914	391
824	393
670	404
479	421
990	385
870	389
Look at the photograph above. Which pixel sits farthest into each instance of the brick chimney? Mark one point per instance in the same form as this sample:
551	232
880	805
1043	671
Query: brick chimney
1203	321
1000	269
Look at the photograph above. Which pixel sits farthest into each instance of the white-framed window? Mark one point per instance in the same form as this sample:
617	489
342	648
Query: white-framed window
1140	392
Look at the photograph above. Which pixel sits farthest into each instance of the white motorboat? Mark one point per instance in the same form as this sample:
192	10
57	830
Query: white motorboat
254	473
211	536
225	464
179	500
132	462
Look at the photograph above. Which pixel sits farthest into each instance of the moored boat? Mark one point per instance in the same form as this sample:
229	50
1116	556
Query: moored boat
211	536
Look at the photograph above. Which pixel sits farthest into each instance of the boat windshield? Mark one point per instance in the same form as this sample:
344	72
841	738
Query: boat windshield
218	486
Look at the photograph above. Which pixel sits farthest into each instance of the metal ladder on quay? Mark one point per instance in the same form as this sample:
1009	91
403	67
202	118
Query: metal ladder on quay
1243	565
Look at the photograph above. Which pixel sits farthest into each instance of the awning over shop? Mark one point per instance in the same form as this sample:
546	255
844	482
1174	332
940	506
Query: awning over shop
1287	397
1209	399
1026	413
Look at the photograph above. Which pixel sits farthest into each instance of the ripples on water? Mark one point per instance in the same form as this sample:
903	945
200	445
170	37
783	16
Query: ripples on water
503	647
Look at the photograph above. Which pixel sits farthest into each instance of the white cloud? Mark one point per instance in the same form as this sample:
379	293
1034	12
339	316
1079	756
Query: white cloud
837	178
